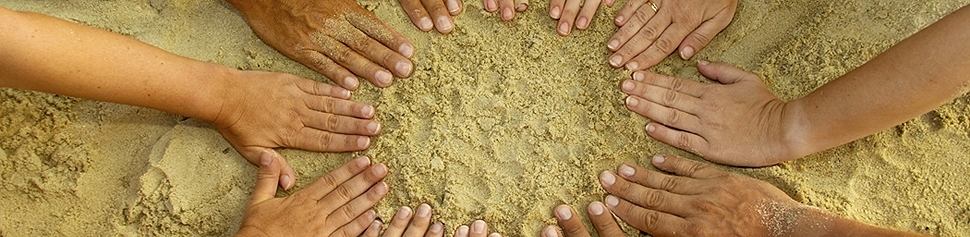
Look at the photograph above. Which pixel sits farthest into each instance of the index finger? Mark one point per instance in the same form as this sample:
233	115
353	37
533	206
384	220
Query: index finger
380	31
685	167
329	182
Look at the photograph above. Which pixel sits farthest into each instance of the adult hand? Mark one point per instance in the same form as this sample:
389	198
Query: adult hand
698	200
573	227
506	7
408	224
263	110
579	11
337	38
737	122
647	35
338	204
441	10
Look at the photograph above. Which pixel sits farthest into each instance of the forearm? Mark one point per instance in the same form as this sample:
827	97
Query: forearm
913	77
814	222
50	55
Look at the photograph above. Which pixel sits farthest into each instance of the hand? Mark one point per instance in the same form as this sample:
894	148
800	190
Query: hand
506	5
738	122
699	200
440	10
264	110
400	226
603	221
478	229
338	204
336	38
646	37
566	12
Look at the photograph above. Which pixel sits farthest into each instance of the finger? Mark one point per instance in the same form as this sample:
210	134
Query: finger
380	31
343	124
335	178
436	230
630	19
462	231
373	230
521	5
355	187
626	13
288	177
690	87
399	223
568	16
376	52
478	229
267	178
586	14
312	139
555	8
662	96
666	44
454	6
420	222
609	3
358	206
653	199
653	222
357	225
507	8
643	39
684	140
700	37
353	61
440	14
321	89
571	225
418	15
330	69
724	73
550	231
662	114
336	106
490	6
604	223
655	180
684	167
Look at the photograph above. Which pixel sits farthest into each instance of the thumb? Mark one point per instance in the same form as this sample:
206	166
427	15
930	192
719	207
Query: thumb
722	72
267	177
701	36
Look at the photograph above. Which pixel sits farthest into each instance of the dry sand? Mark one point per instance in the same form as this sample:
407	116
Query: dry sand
500	121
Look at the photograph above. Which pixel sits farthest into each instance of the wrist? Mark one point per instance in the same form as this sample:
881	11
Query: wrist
212	96
797	131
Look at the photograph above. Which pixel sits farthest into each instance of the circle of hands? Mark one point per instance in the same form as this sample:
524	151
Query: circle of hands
718	121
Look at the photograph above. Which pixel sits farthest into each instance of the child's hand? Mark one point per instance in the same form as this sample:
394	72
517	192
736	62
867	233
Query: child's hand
262	110
337	38
409	224
568	11
440	11
507	7
572	224
338	204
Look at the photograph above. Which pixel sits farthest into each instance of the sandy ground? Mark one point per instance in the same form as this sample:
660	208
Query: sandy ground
500	121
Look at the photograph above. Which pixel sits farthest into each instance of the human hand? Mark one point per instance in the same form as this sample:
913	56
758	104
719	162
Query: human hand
440	10
338	204
478	229
573	227
337	38
566	12
507	7
647	35
262	110
408	225
738	122
699	200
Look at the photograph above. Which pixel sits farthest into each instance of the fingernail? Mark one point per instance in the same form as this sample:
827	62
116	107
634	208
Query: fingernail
521	7
425	24
627	86
444	25
582	23
614	44
551	232
351	83
650	128
626	170
490	5
371	214
362	161
403	213
437	228
607	178
379	170
703	62
407	50
564	213
285	181
424	210
452	6
612	201
381	188
632	65
619	20
478	227
265	158
376	225
638	76
659	159
507	13
462	231
383	77
596	208
554	12
687	52
494	235
373	127
403	68
615	60
363	142
632	102
367	111
564	28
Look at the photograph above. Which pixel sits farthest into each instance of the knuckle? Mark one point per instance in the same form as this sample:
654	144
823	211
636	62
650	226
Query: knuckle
641	15
650	219
331	123
692	169
683	141
343	193
668	183
669	96
343	55
664	45
673	118
325	139
346	213
653	199
329	104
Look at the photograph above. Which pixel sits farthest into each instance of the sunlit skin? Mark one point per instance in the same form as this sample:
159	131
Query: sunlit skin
430	15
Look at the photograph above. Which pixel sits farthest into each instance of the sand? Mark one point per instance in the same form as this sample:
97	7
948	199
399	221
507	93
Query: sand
500	121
